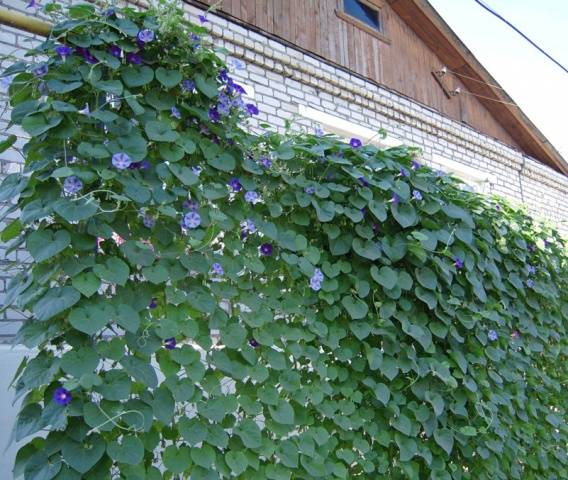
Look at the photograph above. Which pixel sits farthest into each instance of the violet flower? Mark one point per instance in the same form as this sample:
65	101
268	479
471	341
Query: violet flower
266	249
72	185
62	396
121	160
355	143
170	343
145	36
63	51
191	220
252	109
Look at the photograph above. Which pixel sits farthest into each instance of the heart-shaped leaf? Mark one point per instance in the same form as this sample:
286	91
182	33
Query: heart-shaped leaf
129	450
356	307
168	78
44	244
83	456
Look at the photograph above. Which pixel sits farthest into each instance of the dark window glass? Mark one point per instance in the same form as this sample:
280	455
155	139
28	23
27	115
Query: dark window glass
362	12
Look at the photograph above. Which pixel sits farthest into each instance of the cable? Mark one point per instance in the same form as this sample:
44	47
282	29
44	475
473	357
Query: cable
493	12
488	98
474	79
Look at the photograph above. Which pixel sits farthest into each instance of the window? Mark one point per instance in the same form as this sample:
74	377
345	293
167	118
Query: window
474	180
363	12
343	128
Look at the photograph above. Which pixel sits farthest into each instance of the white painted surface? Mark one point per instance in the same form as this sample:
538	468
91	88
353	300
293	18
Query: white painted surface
10	358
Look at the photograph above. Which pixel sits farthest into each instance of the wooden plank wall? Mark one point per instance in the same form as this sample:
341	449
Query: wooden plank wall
403	63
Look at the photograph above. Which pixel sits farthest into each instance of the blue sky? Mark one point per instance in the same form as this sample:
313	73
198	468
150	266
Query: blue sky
536	84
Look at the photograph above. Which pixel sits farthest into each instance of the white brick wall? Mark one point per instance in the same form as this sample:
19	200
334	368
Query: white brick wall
284	77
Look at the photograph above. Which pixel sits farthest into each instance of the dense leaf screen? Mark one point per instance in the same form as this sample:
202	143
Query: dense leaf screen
207	303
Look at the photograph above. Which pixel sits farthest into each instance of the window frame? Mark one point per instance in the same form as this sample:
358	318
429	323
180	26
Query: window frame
478	180
376	5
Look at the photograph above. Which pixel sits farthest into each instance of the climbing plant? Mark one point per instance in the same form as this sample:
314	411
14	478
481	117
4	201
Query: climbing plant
207	303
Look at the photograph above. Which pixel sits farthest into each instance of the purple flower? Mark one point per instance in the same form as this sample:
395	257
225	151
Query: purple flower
194	38
143	165
416	195
109	12
149	221
145	36
363	181
196	170
355	143
531	248
191	220
414	164
395	199
188	85
62	396
170	343
115	51
153	303
253	343
176	113
310	189
31	4
232	86
458	263
375	227
318	132
121	160
492	335
72	185
40	71
315	284
265	162
217	269
498	207
248	226
316	279
134	58
202	19
191	205
223	75
63	51
403	172
251	197
530	283
235	185
214	114
515	334
531	269
251	109
266	249
88	56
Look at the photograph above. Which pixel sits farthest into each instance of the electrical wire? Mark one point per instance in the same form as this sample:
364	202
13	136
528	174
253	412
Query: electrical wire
488	98
474	79
493	12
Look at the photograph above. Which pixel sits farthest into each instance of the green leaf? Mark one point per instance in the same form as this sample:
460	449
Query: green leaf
11	231
402	424
76	210
55	301
87	283
224	162
12	186
192	430
90	319
385	276
206	86
58	86
114	270
204	456
140	370
468	431
81	361
82	456
237	462
128	318
168	78
184	174
407	446
8	142
404	214
111	86
160	131
367	249
356	307
40	123
137	76
382	392
45	244
445	438
427	278
283	413
177	460
249	433
378	209
27	422
130	450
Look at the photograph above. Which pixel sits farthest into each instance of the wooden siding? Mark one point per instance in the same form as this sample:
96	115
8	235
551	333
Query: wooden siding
403	63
